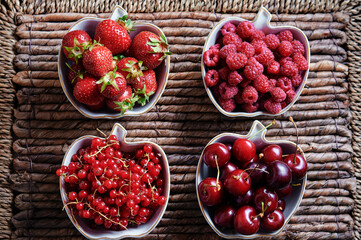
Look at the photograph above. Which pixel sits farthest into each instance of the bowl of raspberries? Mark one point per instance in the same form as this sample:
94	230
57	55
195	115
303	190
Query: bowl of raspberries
110	68
251	68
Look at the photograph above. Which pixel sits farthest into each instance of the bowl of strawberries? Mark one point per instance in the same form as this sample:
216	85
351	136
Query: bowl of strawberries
251	68
110	68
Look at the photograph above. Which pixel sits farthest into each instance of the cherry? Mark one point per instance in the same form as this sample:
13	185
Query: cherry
243	165
246	220
216	153
281	205
273	221
246	199
223	217
237	182
272	153
257	172
284	192
298	166
228	168
229	146
265	200
243	150
210	192
279	175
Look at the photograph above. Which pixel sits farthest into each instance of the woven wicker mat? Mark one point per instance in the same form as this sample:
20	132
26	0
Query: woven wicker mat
44	123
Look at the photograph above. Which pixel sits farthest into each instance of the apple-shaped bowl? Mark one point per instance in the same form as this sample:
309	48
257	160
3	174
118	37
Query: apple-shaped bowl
258	132
130	232
89	24
261	22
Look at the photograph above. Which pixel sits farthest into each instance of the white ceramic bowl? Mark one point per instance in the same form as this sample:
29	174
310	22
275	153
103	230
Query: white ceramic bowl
135	232
262	22
89	24
203	171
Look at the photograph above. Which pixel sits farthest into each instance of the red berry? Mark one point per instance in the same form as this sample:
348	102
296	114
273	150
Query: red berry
257	43
227	104
285	36
285	48
246	48
216	46
211	78
72	196
264	56
59	172
223	73
249	95
262	84
290	95
289	69
272	106
250	108
258	35
245	29
300	61
298	47
296	80
272	41
253	69
273	68
273	83
211	57
238	98
231	38
278	95
234	78
236	61
226	50
226	91
284	83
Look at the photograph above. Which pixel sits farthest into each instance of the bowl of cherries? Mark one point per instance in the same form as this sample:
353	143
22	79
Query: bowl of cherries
112	189
249	187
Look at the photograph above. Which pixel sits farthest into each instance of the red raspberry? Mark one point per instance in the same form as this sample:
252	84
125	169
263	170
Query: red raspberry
262	84
298	47
245	29
264	56
228	28
285	36
296	80
238	98
231	38
246	48
215	46
250	95
289	69
211	57
272	106
285	48
226	91
258	35
258	43
223	73
284	83
272	83
273	68
236	61
245	83
215	92
272	41
253	69
283	105
290	95
278	95
300	61
285	59
250	108
234	78
226	50
212	78
227	104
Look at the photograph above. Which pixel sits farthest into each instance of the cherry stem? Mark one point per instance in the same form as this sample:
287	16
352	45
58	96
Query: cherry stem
217	184
255	134
291	119
255	168
296	184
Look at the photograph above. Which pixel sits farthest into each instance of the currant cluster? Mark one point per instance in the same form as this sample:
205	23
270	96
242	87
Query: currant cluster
112	188
250	189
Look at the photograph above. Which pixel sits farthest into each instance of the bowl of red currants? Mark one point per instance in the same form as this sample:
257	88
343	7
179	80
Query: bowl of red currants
113	189
251	68
249	187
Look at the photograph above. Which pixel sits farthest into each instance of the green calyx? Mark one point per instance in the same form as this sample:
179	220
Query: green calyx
134	69
94	44
126	23
118	57
159	46
77	51
109	79
79	73
143	96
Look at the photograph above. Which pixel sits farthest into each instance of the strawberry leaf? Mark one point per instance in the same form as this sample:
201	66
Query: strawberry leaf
118	57
127	104
143	96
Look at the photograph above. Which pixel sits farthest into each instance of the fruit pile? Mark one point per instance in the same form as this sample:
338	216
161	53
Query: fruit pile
114	70
111	188
249	191
250	71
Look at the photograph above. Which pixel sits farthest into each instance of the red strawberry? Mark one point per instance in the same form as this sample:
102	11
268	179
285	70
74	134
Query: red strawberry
131	69
123	103
149	48
114	35
75	73
98	60
86	91
112	85
147	83
74	44
97	107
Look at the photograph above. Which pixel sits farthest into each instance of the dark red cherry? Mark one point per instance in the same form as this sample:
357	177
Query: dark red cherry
281	204
273	221
257	172
272	153
211	193
279	175
229	146
216	152
284	192
297	165
237	182
223	217
228	168
243	165
265	200
246	199
243	150
246	220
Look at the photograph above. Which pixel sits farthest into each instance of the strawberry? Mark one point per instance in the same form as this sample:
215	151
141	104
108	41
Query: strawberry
74	44
112	84
147	81
86	91
123	103
75	73
149	48
97	107
114	35
131	69
98	60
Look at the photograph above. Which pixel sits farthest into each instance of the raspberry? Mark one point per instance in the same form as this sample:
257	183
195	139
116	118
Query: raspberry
262	84
236	61
284	83
245	29
215	92
212	78
215	46
250	108
258	35
226	91
285	59
264	56
246	48
289	69
296	80
238	98
234	78
258	43
298	47
249	95
253	69
285	48
283	105
227	104
211	57
300	61
272	41
290	95
272	83
245	83
231	38
226	50
272	106
223	73
273	68
228	28
278	95
285	36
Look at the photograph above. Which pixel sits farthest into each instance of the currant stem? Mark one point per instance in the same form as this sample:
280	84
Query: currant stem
269	125
102	132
